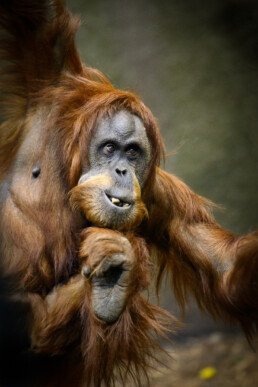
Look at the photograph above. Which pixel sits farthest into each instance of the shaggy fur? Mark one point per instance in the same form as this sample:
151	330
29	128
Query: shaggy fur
50	106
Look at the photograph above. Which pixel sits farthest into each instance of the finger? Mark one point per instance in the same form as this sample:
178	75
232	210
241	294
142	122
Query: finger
86	271
108	263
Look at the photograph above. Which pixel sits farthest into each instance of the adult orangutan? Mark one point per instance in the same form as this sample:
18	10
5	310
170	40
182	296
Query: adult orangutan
86	210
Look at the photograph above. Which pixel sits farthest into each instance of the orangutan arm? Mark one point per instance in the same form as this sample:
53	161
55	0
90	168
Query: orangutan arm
55	321
114	272
220	269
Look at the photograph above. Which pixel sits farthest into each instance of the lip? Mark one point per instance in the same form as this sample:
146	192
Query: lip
126	204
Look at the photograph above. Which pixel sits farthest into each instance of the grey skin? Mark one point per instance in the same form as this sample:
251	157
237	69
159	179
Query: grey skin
110	282
126	132
120	149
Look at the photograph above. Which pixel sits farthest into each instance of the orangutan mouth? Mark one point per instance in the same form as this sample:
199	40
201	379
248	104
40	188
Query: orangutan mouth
118	202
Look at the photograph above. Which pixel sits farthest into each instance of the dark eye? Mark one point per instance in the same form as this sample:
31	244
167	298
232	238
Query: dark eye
132	152
109	148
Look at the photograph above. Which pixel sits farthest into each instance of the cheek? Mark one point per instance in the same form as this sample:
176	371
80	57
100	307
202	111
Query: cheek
92	173
95	167
89	197
97	161
141	172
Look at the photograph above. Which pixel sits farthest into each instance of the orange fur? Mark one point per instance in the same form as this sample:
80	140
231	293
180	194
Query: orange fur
51	104
217	267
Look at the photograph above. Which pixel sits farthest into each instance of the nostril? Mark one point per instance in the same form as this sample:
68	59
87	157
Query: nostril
121	172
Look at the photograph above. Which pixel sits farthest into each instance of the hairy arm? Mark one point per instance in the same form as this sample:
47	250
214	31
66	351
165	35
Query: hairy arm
55	319
219	268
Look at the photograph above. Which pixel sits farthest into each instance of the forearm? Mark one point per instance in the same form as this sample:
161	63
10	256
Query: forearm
54	320
220	269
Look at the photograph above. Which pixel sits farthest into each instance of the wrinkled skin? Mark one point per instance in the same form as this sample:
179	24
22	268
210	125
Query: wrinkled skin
129	156
109	265
119	156
120	153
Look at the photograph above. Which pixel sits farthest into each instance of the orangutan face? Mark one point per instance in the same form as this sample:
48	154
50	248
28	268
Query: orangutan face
109	190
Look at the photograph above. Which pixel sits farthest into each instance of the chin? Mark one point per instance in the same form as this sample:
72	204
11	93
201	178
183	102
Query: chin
104	205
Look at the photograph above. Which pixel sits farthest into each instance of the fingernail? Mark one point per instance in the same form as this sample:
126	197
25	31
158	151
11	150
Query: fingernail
86	271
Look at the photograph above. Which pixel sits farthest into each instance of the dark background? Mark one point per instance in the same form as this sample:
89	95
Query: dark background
194	63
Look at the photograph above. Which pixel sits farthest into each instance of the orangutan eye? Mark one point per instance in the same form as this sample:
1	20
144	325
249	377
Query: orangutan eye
132	151
109	148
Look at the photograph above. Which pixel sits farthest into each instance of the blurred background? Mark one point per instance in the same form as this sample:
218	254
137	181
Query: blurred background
194	64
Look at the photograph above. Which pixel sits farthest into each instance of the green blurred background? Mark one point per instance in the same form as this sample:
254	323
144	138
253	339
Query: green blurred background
194	63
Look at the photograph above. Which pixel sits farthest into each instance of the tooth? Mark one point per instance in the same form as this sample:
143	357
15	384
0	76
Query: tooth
115	200
126	205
